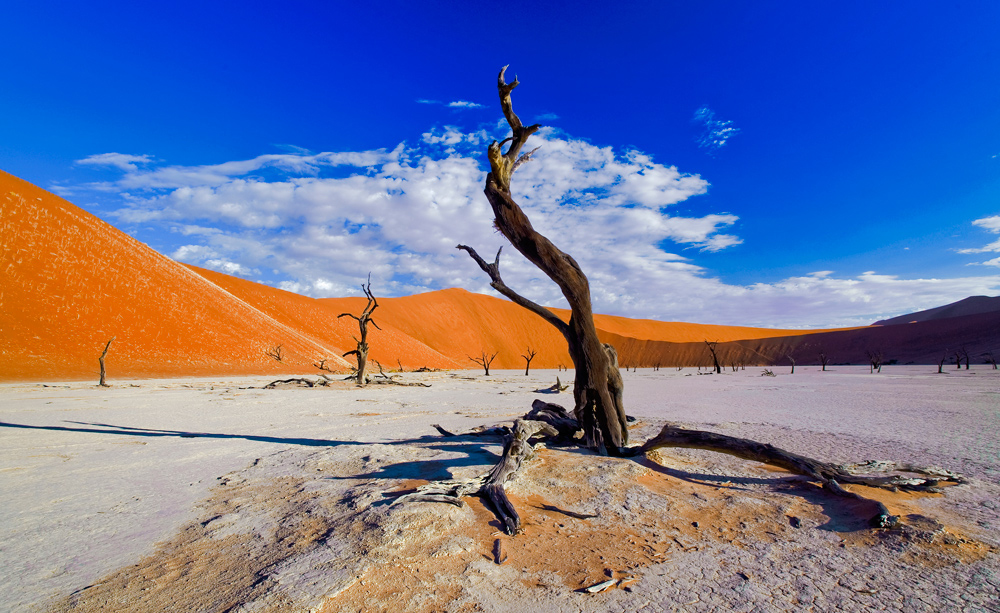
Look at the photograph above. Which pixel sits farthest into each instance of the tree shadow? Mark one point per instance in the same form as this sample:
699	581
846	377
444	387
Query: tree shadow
152	432
475	450
843	514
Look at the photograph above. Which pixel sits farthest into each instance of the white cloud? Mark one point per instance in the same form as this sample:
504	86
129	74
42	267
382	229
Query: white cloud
400	214
715	132
118	160
464	104
990	224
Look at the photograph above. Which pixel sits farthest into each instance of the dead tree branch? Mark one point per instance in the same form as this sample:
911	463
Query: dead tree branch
528	355
277	353
484	360
363	320
715	358
104	354
597	387
830	476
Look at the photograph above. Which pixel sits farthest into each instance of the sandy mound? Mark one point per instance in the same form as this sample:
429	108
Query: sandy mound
71	282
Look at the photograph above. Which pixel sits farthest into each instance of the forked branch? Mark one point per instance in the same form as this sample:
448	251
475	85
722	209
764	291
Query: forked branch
496	282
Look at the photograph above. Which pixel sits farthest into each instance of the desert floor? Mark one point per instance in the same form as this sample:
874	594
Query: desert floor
215	495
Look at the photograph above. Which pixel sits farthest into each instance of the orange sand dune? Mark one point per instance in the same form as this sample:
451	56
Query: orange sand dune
319	318
69	282
461	324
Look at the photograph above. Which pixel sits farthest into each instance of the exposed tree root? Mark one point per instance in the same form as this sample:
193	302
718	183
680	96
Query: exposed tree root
830	476
517	450
554	424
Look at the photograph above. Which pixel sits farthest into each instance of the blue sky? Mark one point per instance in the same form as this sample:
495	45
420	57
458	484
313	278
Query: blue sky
776	164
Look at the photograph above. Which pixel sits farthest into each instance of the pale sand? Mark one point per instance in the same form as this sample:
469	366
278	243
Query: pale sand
276	501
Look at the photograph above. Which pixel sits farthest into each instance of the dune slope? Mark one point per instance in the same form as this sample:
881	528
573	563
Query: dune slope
69	282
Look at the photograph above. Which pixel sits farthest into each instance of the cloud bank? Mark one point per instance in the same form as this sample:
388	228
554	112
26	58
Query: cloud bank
316	224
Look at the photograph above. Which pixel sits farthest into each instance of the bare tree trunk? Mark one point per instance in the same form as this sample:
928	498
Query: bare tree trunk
484	360
792	360
104	354
363	320
528	356
715	358
823	360
597	387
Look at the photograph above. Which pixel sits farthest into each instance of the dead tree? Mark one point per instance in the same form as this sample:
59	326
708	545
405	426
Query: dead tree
277	353
363	320
599	413
823	360
958	360
485	359
528	355
792	360
104	354
991	360
875	360
321	365
715	357
965	354
944	358
597	387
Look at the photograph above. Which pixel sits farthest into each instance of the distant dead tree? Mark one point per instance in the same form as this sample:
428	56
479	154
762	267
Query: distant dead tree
875	359
715	358
277	353
823	360
104	354
991	360
321	365
958	360
792	360
484	360
965	354
528	355
399	364
363	320
944	358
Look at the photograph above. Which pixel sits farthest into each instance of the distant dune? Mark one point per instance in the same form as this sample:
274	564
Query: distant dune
69	282
973	305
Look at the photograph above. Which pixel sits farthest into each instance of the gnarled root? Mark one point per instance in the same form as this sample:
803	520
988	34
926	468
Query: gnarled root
830	476
517	450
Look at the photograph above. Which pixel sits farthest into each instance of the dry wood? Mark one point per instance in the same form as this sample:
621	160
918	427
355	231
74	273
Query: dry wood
484	360
555	388
596	389
363	320
104	354
715	358
517	450
829	475
528	356
277	353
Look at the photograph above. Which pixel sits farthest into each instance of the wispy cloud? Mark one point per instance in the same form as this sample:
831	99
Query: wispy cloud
400	213
464	104
990	224
457	104
122	161
715	132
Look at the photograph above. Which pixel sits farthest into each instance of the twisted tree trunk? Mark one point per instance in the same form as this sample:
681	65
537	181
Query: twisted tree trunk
363	320
104	354
597	388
